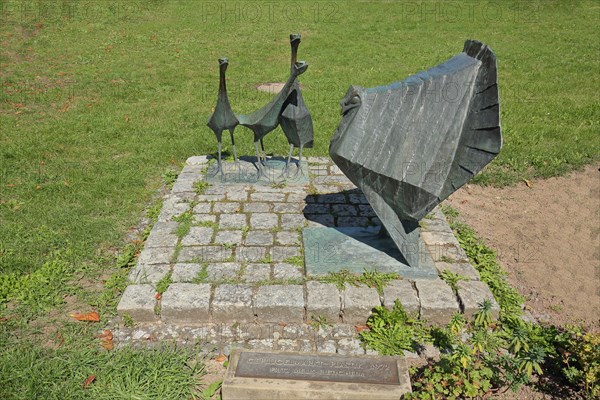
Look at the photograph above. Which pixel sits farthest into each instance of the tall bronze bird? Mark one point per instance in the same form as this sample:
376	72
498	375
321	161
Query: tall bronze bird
411	144
223	117
266	119
295	120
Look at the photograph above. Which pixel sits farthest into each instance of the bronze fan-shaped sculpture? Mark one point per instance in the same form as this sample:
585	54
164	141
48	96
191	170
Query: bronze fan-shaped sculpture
411	144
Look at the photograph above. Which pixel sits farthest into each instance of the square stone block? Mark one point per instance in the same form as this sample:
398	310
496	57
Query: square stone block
401	290
472	294
257	272
202	208
280	303
438	302
227	207
185	272
331	198
292	221
323	299
172	208
202	254
232	221
148	273
436	225
250	253
232	303
282	253
438	238
229	238
451	251
297	197
197	236
156	255
237	194
264	220
162	235
265	196
257	207
358	303
285	271
138	302
202	218
461	268
344	210
223	271
287	207
197	160
185	303
259	238
317	208
287	238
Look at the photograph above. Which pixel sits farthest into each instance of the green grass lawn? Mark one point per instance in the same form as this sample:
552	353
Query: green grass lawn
99	99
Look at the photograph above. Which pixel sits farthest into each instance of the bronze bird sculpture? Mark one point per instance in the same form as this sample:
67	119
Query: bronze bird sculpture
223	117
295	120
266	119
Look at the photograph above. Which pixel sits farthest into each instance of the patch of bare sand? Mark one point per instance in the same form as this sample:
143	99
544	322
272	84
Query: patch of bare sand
548	240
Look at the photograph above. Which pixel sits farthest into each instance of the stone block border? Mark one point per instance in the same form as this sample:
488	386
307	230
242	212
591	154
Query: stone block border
234	257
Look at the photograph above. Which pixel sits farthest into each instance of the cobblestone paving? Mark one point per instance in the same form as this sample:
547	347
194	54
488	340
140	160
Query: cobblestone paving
234	259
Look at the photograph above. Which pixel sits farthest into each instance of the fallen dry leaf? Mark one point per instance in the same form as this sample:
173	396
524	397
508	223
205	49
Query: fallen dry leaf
360	328
89	317
106	339
528	183
108	345
106	335
221	358
89	380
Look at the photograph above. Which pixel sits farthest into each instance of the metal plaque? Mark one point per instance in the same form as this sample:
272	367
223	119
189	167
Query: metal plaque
308	367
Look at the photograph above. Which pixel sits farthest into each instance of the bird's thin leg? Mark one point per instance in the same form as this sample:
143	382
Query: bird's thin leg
262	146
287	164
220	167
299	169
258	163
233	146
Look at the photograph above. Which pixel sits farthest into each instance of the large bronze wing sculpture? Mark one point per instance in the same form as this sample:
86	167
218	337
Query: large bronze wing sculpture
411	144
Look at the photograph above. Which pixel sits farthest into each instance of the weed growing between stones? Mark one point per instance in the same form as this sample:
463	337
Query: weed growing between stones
372	279
319	321
164	283
169	177
452	279
201	186
185	223
202	276
393	331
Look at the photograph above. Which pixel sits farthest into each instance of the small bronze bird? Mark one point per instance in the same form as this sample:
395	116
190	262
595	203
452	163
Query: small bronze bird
223	117
266	119
295	120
